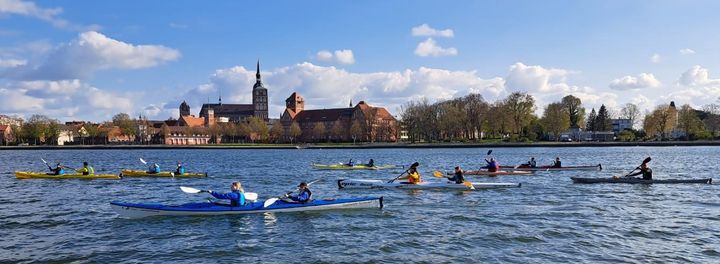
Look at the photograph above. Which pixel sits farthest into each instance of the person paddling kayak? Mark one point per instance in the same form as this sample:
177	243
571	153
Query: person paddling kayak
236	194
413	176
645	171
179	169
58	170
155	168
370	163
86	169
304	195
350	163
557	163
532	163
492	165
458	176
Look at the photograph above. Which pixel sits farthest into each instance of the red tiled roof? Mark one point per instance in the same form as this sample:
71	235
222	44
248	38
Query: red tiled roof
192	121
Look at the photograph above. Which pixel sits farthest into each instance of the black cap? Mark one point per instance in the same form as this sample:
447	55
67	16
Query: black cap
302	184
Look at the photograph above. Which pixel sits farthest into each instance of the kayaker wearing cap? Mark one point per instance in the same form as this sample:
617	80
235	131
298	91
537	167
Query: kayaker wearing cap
557	163
86	169
350	163
155	168
645	171
413	176
304	194
458	176
58	170
492	165
236	194
532	163
179	169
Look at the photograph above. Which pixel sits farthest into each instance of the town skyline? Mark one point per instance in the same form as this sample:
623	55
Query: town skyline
89	61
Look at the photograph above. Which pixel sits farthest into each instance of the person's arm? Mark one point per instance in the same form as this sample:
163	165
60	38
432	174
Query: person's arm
635	174
302	197
224	196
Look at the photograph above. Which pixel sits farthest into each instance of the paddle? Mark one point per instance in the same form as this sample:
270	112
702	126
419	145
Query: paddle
248	195
143	161
401	174
466	183
46	164
271	201
646	160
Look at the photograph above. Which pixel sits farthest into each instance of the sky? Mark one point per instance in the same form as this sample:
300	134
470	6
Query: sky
89	60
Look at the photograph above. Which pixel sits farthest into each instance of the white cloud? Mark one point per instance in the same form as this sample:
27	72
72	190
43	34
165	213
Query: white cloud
339	56
65	100
687	51
430	48
425	30
9	63
655	58
697	76
643	80
50	15
537	79
91	52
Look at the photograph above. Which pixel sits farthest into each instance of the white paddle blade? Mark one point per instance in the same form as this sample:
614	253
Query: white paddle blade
269	202
143	161
43	160
189	189
251	196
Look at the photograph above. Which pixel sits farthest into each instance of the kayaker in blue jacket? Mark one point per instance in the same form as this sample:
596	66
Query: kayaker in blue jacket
458	176
236	194
179	169
492	165
532	163
58	170
155	168
304	194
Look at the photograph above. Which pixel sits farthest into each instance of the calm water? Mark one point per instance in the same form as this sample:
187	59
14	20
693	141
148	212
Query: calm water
548	220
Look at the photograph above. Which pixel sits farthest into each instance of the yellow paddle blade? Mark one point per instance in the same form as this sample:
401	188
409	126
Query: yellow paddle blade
438	174
469	185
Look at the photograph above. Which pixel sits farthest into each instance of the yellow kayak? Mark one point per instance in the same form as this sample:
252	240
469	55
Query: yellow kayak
142	173
42	175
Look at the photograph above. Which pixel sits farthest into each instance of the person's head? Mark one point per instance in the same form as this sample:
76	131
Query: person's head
532	158
644	165
492	159
303	185
85	164
371	160
179	163
557	158
236	186
457	168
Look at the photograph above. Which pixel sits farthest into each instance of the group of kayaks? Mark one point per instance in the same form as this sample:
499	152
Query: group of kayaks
123	173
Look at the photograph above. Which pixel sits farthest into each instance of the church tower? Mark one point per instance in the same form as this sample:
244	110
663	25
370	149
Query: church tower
184	109
295	103
260	97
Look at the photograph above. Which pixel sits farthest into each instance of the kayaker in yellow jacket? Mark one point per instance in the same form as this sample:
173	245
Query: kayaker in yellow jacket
413	176
86	169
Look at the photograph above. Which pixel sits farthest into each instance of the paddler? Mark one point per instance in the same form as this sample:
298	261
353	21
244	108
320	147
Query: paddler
557	163
86	169
458	176
492	165
179	169
413	176
371	163
532	163
155	168
350	163
304	194
58	170
236	194
644	170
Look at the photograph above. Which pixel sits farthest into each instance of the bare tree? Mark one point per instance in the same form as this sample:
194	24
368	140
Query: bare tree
632	112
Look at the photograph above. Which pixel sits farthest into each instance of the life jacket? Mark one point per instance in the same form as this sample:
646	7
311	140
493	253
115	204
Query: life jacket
180	170
59	171
414	178
85	171
309	196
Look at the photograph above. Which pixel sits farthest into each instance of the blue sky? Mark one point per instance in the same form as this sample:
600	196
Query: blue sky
91	59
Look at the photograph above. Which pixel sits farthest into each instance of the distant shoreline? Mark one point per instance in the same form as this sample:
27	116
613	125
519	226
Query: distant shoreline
379	145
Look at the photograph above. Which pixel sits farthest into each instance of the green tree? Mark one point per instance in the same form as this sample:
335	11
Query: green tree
591	124
127	126
556	119
660	121
295	131
259	128
574	109
520	107
603	120
689	122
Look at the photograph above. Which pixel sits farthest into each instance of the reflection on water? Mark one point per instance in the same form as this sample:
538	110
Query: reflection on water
548	219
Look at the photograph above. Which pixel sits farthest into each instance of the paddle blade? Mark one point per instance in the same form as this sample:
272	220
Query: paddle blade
516	166
489	152
143	161
414	165
438	174
250	196
43	160
469	185
269	202
646	160
189	189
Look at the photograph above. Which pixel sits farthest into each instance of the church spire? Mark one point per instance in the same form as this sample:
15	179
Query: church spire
257	75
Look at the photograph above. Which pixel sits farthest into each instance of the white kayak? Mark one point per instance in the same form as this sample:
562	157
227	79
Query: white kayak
375	184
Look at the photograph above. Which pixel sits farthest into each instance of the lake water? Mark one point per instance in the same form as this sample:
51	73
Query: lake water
548	220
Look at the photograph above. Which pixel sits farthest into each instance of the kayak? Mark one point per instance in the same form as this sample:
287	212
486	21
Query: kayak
354	167
375	184
137	210
142	173
638	181
550	168
42	175
493	174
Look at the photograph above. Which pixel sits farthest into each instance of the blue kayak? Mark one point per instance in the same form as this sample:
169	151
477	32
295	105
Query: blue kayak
137	210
